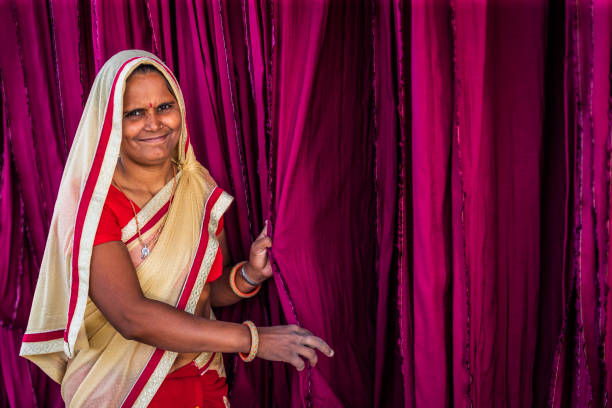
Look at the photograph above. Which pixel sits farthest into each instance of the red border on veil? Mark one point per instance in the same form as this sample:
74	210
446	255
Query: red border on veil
44	336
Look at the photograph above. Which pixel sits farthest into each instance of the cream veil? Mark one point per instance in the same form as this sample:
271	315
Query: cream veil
67	336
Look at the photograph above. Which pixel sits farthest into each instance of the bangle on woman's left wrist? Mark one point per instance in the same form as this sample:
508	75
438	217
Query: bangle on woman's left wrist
245	276
234	286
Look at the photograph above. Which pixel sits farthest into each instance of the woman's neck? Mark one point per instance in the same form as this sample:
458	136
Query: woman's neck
142	181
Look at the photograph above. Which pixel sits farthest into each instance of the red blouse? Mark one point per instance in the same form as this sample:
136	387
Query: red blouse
117	212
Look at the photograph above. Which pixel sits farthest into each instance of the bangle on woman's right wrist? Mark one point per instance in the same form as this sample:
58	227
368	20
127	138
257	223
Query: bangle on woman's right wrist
254	342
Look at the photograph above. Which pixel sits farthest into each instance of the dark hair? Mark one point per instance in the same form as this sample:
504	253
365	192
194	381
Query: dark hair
147	69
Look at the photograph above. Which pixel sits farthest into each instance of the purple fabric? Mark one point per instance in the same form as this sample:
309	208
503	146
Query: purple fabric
436	173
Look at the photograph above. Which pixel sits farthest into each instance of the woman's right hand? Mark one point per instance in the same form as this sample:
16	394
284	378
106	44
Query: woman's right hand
290	344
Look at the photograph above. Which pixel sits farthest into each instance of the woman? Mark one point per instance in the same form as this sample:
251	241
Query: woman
136	256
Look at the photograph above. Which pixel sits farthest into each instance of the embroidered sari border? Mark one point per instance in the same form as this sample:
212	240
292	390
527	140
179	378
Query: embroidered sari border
199	256
203	369
144	377
222	202
42	346
203	360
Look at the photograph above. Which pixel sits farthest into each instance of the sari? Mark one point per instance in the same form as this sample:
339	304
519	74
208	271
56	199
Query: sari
67	336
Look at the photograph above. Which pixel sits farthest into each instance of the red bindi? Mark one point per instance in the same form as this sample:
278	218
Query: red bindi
150	105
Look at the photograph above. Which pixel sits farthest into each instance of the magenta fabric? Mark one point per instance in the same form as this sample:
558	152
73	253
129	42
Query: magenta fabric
436	173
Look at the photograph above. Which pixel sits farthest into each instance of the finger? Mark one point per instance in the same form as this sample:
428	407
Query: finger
267	270
309	354
262	243
318	343
297	362
294	328
264	231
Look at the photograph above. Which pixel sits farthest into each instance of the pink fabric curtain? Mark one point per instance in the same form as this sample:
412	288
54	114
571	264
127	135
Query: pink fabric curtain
437	174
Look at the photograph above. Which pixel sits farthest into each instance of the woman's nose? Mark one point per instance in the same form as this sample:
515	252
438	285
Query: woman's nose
152	120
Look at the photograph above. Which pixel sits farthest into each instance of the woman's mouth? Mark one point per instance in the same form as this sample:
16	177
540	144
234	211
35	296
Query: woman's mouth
154	139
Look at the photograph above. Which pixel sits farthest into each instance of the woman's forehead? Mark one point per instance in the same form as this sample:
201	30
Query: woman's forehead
145	87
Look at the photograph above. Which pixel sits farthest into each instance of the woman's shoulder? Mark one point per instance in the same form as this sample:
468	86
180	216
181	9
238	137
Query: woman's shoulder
116	213
120	206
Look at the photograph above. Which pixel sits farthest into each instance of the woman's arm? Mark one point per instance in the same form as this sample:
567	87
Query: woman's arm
115	290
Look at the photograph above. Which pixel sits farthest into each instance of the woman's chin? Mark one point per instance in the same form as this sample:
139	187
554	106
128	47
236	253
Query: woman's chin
153	159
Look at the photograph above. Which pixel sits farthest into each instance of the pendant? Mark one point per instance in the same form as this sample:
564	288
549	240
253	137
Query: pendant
145	252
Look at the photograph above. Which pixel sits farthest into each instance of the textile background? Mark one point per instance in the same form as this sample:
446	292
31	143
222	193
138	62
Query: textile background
436	173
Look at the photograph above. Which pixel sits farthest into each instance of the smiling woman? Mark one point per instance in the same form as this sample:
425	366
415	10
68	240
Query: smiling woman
137	255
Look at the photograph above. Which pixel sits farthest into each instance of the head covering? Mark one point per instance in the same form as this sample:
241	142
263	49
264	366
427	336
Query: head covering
67	336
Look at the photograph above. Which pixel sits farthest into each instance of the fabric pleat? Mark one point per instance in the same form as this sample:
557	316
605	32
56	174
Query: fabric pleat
436	174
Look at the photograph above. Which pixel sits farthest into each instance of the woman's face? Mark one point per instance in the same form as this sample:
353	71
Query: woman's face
151	120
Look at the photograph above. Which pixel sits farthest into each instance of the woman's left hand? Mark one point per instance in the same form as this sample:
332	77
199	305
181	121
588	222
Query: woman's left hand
258	268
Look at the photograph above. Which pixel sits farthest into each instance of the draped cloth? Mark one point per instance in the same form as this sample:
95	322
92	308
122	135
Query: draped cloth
67	336
437	174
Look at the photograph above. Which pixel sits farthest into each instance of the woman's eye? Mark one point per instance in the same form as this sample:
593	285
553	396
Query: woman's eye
164	106
134	114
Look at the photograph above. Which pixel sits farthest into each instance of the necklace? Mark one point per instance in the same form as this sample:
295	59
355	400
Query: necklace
145	249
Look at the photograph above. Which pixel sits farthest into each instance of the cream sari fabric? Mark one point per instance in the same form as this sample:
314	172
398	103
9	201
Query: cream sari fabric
67	336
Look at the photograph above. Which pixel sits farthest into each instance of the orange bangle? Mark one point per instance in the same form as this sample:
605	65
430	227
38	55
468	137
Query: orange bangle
232	282
254	342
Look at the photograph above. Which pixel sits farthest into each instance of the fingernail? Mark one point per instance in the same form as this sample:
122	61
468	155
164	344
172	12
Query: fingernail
331	353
